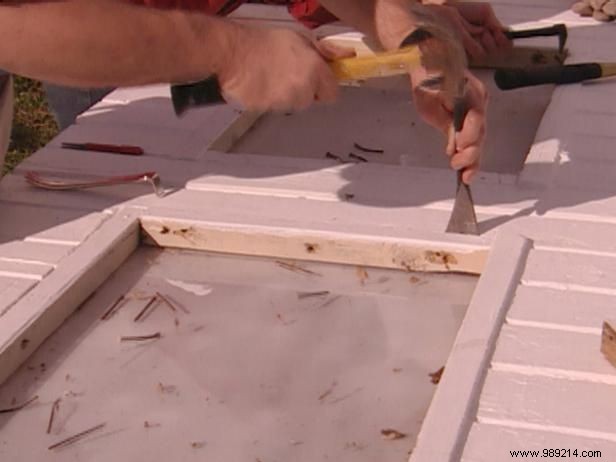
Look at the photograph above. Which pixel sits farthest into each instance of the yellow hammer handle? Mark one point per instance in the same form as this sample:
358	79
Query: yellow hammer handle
378	65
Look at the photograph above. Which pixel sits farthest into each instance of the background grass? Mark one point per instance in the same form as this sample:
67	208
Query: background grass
33	124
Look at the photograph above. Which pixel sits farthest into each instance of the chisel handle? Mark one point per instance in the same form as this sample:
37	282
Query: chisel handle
508	79
203	93
460	109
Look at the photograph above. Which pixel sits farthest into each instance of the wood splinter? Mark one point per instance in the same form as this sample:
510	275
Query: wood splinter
143	312
19	407
608	341
73	439
331	155
114	308
166	301
365	149
303	295
328	392
358	158
54	408
296	268
140	338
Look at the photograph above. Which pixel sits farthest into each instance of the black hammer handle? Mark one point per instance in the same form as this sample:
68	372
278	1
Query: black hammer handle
508	79
204	92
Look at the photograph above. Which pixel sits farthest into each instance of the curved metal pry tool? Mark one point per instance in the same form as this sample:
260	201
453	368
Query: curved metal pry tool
56	184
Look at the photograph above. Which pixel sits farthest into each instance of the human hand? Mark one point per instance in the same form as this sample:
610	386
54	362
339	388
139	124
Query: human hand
477	26
278	69
436	108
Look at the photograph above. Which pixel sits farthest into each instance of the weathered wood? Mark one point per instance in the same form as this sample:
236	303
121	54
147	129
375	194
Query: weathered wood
608	341
296	243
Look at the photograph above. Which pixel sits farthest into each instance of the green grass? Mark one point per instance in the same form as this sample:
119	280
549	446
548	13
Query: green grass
33	124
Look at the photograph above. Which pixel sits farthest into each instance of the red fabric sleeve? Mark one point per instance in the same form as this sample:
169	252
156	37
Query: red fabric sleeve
206	6
308	12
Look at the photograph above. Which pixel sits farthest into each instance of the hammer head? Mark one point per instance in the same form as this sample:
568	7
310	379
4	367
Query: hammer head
443	55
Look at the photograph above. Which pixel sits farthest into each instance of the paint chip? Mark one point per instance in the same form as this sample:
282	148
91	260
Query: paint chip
196	289
435	377
390	434
362	274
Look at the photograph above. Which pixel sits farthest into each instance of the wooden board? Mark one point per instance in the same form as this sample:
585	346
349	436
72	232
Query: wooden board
250	364
36	315
455	403
256	196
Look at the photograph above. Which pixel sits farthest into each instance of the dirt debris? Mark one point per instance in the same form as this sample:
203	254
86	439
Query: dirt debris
18	407
362	274
435	377
390	434
328	392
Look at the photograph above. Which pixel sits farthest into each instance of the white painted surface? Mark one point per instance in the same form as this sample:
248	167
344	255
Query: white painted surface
380	115
564	201
491	443
254	369
560	310
11	289
453	408
569	407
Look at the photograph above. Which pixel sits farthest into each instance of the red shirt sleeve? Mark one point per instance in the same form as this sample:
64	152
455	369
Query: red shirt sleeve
205	6
308	12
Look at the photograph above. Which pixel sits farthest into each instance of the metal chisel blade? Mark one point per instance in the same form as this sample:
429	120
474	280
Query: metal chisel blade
463	219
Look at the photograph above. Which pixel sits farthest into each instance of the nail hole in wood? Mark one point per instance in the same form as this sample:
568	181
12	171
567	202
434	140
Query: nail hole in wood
311	248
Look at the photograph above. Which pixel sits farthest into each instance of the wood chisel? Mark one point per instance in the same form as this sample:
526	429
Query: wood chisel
509	79
347	71
463	219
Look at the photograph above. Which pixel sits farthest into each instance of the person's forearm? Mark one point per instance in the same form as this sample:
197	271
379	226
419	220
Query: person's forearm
93	43
389	21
